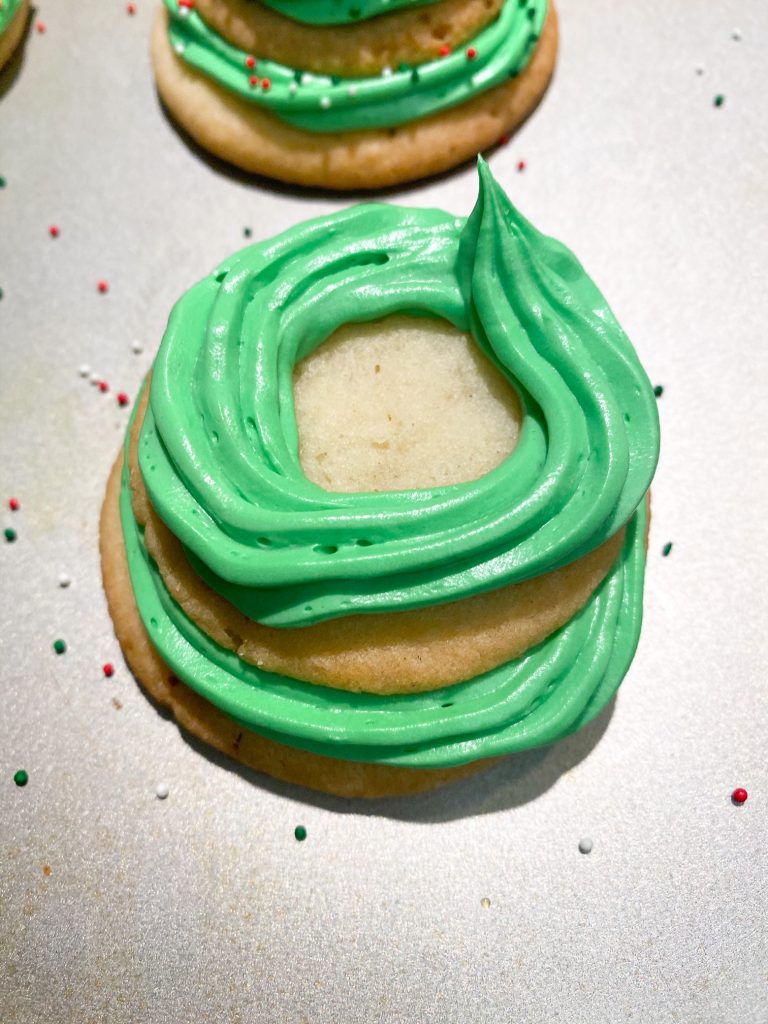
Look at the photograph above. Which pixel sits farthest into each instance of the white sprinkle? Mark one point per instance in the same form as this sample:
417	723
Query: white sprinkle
386	71
137	347
292	88
179	47
736	34
64	579
699	69
352	90
162	790
183	11
94	378
585	845
325	102
306	78
84	370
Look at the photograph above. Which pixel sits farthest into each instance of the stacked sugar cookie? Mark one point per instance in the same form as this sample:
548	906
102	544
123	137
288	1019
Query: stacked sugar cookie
371	559
352	93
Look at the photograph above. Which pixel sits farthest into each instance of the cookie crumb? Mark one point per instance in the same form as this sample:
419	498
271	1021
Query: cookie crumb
47	870
117	704
485	903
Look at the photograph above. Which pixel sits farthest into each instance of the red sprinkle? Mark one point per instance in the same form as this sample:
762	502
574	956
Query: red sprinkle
103	287
103	386
122	398
131	8
108	669
40	27
471	53
444	50
521	165
254	79
250	62
503	140
189	4
53	231
266	85
739	796
14	504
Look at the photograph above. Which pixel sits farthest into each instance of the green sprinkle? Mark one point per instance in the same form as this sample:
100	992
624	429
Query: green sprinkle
10	534
403	66
2	182
300	832
21	778
667	548
59	646
719	100
247	232
414	76
658	390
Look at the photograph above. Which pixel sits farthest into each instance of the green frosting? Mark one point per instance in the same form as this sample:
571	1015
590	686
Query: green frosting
338	12
219	444
319	103
218	453
8	9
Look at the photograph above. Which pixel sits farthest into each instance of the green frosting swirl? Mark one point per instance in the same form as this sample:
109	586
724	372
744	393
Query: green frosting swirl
218	453
338	12
319	103
219	444
8	9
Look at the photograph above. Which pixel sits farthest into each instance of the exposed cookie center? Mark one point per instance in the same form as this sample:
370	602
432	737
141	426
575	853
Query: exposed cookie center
403	402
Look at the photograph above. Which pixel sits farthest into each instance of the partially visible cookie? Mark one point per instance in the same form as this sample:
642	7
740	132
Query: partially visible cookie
250	119
13	21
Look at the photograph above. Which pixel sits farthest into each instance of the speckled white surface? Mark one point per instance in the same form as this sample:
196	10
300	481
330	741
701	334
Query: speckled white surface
203	907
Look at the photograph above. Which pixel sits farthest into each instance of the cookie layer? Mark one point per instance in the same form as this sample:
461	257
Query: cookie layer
410	36
198	717
260	143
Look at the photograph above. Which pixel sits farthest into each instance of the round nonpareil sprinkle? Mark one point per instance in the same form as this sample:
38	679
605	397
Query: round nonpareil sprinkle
84	370
719	100
300	833
736	34
102	286
521	165
59	646
40	27
585	845
21	778
122	398
471	53
658	390
64	580
53	231
103	386
14	504
131	8
444	50
95	378
162	790
10	534
739	796
108	669
137	347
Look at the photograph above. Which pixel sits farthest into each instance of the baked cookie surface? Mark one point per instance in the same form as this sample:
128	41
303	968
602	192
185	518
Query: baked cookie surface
14	15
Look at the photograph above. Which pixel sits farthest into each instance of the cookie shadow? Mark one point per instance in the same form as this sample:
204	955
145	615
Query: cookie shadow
280	188
10	71
517	780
